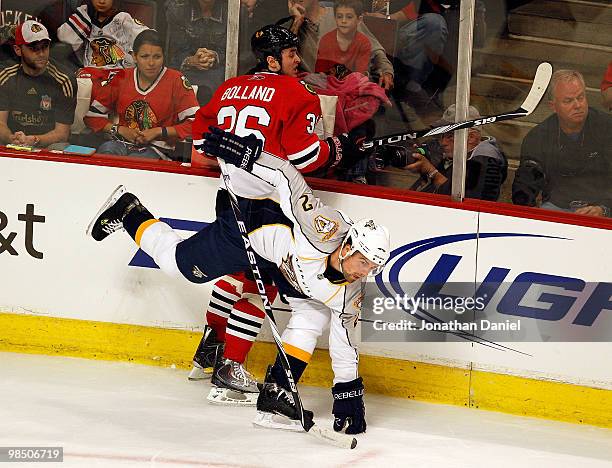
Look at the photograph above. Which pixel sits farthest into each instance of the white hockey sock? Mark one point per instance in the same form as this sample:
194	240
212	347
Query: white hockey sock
159	241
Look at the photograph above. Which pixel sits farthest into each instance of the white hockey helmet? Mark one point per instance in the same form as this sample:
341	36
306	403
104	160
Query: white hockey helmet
371	239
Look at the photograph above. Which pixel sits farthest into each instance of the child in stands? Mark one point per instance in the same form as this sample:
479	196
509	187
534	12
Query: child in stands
102	37
345	45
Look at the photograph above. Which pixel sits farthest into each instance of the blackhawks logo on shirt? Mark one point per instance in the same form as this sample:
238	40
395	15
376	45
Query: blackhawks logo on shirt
105	51
140	115
309	88
186	82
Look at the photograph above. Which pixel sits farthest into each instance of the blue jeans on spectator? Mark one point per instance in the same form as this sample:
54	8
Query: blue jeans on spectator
122	149
427	33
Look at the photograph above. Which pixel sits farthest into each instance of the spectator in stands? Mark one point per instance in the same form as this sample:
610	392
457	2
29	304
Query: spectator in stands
606	88
310	21
486	166
197	38
567	159
7	33
37	99
14	12
263	12
102	38
421	40
345	45
155	105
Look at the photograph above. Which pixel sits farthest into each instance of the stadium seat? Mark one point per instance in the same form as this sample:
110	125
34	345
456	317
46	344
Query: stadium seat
143	10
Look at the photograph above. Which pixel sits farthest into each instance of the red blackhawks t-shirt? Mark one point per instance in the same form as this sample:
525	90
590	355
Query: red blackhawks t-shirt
356	58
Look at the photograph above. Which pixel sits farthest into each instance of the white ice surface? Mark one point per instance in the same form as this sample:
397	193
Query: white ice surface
116	415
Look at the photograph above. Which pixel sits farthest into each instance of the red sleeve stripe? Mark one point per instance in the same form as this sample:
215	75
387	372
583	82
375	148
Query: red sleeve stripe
82	22
84	17
78	26
77	31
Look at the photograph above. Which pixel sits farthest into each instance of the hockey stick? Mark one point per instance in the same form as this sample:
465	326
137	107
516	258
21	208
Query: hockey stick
336	438
538	88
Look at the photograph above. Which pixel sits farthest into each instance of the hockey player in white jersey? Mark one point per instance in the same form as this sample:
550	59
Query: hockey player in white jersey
327	290
318	257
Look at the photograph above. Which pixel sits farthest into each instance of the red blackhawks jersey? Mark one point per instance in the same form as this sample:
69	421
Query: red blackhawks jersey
278	109
168	102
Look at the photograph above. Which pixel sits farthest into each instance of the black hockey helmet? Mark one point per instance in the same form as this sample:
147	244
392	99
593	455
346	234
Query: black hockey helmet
271	40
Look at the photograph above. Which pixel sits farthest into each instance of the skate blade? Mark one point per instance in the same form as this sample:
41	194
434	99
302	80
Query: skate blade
277	421
198	373
228	397
112	199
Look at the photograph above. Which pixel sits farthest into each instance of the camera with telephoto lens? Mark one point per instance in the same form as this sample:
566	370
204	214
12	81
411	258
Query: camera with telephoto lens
397	155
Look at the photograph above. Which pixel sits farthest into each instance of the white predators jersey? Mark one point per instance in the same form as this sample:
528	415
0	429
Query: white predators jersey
330	300
307	270
301	252
102	45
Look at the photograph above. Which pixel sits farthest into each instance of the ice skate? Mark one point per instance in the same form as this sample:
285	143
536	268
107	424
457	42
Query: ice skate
110	216
276	408
233	385
209	351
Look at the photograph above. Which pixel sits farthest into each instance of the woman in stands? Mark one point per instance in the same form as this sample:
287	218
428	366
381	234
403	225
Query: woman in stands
155	104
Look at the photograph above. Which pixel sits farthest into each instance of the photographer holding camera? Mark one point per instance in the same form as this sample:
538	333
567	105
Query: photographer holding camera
486	167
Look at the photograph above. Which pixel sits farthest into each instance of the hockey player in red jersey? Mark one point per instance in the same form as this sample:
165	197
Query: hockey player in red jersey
282	111
277	108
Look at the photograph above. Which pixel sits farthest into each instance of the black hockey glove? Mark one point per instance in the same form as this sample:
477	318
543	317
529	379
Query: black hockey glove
346	150
242	152
349	407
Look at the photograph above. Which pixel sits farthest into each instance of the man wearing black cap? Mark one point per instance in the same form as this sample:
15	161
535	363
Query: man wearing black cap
37	99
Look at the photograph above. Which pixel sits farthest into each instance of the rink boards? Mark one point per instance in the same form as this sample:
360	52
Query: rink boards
64	293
